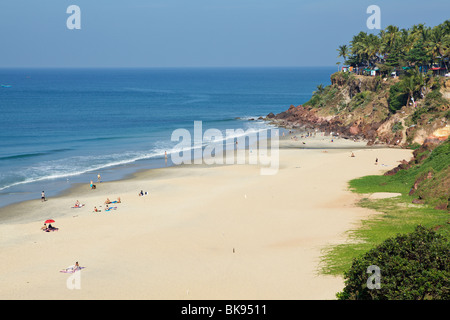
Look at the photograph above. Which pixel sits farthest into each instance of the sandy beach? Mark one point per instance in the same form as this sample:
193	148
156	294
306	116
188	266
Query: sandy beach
202	232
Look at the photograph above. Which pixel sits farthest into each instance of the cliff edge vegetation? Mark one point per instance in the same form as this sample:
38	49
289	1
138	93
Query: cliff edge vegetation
394	89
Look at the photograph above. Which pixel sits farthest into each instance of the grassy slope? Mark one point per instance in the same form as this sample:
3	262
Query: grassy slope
396	215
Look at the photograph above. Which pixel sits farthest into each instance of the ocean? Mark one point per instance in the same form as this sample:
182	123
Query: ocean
65	126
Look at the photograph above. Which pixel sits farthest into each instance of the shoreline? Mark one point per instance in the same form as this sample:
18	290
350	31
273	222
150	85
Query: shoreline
203	232
80	188
117	171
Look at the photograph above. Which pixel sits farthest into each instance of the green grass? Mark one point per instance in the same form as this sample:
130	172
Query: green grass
395	215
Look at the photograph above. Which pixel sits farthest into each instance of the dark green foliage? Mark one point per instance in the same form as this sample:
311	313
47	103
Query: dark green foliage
414	266
398	97
397	48
322	96
434	100
418	54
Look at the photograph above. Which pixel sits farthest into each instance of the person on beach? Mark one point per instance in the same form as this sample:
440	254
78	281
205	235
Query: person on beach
376	161
43	196
73	268
353	155
92	185
44	228
51	228
98	178
107	201
77	204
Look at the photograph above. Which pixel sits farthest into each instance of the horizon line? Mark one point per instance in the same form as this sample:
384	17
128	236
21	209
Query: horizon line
163	67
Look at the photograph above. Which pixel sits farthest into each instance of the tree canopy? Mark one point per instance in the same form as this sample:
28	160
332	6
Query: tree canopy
396	48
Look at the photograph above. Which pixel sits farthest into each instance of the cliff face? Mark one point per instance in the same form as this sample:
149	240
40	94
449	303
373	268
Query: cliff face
357	107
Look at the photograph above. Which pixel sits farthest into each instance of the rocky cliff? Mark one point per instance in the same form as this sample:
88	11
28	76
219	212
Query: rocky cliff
358	107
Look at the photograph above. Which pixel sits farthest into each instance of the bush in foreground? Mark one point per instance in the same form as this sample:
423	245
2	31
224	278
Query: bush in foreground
414	266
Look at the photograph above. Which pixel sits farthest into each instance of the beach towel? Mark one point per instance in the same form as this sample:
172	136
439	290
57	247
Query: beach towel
111	208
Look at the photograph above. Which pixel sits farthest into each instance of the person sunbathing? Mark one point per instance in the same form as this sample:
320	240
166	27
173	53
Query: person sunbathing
73	268
110	208
107	201
51	228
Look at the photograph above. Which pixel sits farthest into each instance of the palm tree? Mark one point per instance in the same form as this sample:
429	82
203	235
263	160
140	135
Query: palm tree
414	83
446	48
391	36
343	52
372	48
320	89
434	44
394	47
446	26
358	47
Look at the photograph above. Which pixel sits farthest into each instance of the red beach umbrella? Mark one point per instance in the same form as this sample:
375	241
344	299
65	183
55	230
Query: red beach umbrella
49	221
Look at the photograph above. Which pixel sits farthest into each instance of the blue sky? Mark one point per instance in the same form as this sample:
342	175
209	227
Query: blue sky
194	33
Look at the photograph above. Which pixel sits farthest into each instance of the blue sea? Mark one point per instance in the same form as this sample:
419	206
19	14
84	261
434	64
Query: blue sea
65	126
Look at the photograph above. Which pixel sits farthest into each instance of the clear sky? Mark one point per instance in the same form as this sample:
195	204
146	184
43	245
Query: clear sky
195	33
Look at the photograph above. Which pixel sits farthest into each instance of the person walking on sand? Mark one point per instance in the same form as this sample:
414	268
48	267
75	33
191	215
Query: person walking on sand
43	196
376	161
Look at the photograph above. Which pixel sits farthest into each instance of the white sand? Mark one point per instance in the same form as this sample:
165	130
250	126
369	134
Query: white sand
383	195
178	242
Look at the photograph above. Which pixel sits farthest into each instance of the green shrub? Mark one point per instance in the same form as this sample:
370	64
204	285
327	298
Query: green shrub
397	127
361	99
397	97
418	113
414	146
414	266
